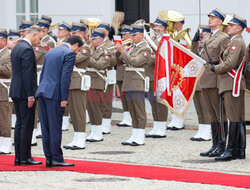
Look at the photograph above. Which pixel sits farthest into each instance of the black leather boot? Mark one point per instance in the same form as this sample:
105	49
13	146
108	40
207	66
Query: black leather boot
214	130
241	149
221	144
229	153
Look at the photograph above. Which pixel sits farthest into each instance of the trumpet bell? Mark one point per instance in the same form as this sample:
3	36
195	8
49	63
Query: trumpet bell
93	22
184	35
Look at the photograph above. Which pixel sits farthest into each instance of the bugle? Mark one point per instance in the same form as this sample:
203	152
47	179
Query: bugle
125	42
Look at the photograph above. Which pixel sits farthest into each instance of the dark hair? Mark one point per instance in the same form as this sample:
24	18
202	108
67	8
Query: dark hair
75	39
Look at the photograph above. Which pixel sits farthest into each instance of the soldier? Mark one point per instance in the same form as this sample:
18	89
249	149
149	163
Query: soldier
204	127
99	61
46	44
86	39
24	26
120	70
213	46
159	111
13	37
135	83
50	33
63	32
108	93
77	92
232	88
5	105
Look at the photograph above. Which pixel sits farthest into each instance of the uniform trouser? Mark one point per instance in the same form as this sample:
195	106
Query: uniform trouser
51	114
24	127
136	107
123	97
94	106
77	109
201	110
5	118
107	102
212	102
159	111
234	106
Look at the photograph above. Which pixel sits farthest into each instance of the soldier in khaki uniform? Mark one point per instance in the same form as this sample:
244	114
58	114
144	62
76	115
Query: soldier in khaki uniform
108	94
232	59
85	37
77	92
159	111
63	33
24	26
5	105
204	127
13	37
120	70
134	83
99	61
211	49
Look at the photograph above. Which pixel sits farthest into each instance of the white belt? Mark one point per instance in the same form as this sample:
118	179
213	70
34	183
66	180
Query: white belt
2	81
134	69
79	70
39	66
95	70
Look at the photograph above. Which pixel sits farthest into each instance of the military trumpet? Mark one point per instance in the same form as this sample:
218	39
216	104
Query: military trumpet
124	42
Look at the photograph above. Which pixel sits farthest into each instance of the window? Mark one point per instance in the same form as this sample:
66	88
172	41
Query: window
26	10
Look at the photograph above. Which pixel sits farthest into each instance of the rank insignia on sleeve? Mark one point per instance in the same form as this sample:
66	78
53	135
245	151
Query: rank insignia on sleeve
106	57
145	53
84	51
37	49
234	48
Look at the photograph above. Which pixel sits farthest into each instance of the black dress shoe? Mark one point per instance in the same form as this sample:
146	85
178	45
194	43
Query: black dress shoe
30	161
123	125
5	153
105	133
39	136
126	143
73	147
62	164
154	136
226	156
93	140
136	144
17	162
48	163
176	129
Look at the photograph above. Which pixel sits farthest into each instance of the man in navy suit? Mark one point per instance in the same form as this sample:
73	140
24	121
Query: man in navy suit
52	95
22	91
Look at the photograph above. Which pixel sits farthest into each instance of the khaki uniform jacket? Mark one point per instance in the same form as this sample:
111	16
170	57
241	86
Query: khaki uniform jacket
215	45
5	72
81	62
108	43
151	66
120	70
232	58
99	60
137	57
41	50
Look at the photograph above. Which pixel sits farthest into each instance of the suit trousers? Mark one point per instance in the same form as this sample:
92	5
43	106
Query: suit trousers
234	106
77	109
94	106
212	101
5	118
201	110
136	107
24	127
159	111
51	114
107	102
123	97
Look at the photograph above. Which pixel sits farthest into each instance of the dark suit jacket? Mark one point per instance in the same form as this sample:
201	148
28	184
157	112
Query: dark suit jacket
56	74
24	77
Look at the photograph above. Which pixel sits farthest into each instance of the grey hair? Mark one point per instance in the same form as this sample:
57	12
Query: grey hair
34	29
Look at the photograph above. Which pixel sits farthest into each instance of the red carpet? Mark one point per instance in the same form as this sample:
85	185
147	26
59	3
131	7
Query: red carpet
128	170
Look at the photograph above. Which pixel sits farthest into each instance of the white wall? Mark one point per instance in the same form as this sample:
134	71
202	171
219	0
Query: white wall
190	9
74	10
8	14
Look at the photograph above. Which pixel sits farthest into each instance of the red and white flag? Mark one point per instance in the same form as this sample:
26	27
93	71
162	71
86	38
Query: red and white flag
177	72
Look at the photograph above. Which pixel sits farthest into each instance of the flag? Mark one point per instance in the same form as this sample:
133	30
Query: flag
177	72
